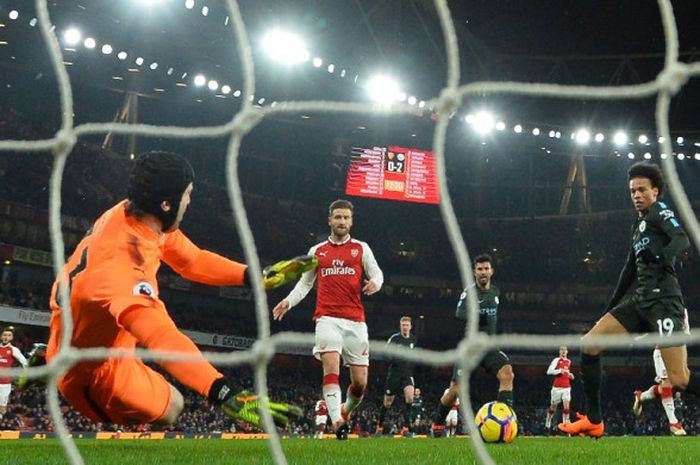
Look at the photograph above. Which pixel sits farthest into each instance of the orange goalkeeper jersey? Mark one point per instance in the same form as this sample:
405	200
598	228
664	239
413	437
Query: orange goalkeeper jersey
113	270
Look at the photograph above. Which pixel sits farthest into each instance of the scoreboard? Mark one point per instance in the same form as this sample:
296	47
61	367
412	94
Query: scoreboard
393	173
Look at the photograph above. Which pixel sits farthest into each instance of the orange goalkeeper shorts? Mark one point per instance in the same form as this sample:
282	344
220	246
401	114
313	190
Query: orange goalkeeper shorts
121	391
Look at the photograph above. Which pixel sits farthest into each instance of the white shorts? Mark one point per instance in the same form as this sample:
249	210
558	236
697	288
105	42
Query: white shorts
346	337
559	395
659	366
321	420
5	390
451	418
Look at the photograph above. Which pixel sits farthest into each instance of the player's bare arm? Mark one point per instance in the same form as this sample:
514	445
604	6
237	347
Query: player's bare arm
280	310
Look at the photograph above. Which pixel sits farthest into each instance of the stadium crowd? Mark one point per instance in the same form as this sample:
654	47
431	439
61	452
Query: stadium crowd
563	291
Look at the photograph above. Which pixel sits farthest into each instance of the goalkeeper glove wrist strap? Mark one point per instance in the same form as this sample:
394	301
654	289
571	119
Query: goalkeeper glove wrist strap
222	390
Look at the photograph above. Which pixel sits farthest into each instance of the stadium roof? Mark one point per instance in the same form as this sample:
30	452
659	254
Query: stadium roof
568	42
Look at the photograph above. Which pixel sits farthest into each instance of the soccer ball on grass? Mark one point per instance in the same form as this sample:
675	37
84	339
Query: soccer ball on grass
496	422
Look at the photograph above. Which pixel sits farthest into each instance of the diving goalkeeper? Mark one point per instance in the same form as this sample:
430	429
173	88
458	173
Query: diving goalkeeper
111	278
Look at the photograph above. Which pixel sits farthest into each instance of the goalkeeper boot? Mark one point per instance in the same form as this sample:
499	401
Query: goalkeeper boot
637	406
286	271
583	427
36	357
247	407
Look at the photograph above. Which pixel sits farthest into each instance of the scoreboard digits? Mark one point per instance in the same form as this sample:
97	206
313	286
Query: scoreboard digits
394	173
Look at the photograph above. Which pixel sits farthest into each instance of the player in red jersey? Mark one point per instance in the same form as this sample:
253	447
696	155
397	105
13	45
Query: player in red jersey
661	390
452	418
8	355
114	302
346	270
321	410
560	368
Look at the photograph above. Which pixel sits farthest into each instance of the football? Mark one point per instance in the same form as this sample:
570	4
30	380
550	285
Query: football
496	422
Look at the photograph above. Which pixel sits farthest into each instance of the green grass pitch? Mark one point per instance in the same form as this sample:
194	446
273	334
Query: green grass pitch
535	451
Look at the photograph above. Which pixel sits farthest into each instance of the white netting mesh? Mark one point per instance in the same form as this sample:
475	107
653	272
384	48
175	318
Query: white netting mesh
470	350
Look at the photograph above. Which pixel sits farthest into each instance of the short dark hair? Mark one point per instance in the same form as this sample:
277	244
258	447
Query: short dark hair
651	171
340	203
482	258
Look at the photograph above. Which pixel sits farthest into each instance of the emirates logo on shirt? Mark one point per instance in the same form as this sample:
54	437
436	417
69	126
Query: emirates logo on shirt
338	268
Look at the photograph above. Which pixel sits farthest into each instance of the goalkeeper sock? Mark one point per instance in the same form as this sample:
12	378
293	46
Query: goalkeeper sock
590	369
331	394
353	398
506	397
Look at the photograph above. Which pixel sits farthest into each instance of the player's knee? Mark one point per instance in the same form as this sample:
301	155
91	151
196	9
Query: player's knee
357	388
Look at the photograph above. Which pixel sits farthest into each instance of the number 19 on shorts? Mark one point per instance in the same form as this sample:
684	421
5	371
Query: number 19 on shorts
665	326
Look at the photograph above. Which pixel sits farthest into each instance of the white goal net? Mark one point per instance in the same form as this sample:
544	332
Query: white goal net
667	83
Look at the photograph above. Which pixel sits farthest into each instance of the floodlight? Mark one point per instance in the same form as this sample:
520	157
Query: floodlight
205	10
697	156
469	119
153	66
681	156
90	43
285	47
421	104
643	139
317	62
664	156
484	122
630	156
71	36
647	156
199	80
331	68
680	140
14	14
583	136
237	93
500	126
107	49
552	133
382	89
536	131
517	129
599	137
620	138
226	89
122	55
189	4
412	100
213	85
138	61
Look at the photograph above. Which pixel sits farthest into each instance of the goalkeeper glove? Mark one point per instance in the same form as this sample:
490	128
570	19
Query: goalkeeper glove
36	357
288	270
247	407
